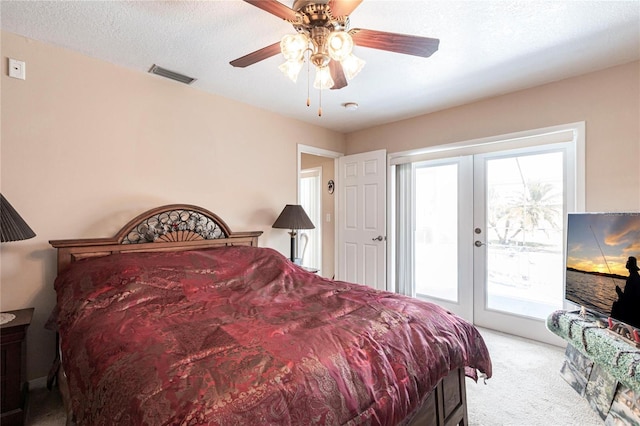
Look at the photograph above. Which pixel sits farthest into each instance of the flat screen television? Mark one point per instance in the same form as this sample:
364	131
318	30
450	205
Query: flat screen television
602	268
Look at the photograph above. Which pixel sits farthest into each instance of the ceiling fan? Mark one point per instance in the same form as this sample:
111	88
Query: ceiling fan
323	34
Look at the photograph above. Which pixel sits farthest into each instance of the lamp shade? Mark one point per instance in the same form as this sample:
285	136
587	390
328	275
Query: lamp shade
14	228
323	79
351	66
293	216
292	68
293	46
340	44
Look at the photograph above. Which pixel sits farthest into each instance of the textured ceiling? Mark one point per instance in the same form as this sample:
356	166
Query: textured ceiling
487	48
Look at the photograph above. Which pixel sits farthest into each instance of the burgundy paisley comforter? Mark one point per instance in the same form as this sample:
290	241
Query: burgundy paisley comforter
240	336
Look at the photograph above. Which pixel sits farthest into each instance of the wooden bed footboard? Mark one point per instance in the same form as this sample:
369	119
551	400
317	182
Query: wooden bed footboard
446	405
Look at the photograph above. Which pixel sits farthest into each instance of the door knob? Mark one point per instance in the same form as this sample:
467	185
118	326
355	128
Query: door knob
379	238
479	243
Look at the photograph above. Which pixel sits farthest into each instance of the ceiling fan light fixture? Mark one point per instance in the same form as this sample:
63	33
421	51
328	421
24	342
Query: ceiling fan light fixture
291	68
340	45
352	65
323	79
324	41
293	46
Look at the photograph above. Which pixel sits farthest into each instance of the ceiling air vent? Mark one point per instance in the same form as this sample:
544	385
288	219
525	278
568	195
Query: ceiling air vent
155	69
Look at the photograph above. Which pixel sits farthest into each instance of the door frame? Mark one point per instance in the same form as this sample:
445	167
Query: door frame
321	152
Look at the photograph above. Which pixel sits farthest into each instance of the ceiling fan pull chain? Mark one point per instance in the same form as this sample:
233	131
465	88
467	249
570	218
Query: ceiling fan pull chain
320	103
308	82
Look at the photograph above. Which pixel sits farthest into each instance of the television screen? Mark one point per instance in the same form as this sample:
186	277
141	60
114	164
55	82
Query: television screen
602	264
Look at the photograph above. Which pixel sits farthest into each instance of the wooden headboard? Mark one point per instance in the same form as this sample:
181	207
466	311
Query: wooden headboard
173	227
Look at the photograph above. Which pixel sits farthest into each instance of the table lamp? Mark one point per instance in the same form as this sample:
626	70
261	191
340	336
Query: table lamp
14	228
293	217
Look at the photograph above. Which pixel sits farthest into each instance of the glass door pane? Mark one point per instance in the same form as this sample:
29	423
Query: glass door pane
436	231
442	251
524	234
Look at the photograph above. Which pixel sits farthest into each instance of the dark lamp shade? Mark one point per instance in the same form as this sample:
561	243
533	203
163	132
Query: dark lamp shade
293	216
14	228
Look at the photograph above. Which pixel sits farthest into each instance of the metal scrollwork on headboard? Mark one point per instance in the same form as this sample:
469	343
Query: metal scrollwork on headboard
175	225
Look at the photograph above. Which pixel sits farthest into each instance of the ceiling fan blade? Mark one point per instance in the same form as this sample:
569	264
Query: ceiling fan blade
343	7
274	7
393	42
337	74
257	56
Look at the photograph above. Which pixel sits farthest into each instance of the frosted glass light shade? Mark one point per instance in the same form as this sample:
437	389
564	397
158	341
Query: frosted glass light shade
293	46
340	45
323	78
292	68
351	66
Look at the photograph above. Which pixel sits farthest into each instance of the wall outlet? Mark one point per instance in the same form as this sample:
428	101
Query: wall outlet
17	69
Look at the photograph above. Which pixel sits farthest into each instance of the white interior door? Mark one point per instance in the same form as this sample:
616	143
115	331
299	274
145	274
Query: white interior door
361	219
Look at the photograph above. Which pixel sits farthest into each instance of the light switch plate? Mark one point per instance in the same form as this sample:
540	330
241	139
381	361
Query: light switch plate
17	69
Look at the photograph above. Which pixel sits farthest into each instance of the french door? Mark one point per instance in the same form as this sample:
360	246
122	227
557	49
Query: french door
519	239
443	255
488	234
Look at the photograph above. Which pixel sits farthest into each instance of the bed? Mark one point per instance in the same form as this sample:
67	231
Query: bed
178	320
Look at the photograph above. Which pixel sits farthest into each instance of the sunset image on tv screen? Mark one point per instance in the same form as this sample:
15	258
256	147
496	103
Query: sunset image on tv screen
602	253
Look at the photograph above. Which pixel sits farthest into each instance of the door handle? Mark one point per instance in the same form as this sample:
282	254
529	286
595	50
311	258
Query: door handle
379	238
479	243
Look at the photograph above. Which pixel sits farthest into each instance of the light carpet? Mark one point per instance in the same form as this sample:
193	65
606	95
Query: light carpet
526	390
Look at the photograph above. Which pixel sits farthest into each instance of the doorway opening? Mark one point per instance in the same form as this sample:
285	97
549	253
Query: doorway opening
316	167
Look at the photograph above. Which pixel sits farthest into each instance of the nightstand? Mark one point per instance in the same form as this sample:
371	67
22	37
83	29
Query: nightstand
13	361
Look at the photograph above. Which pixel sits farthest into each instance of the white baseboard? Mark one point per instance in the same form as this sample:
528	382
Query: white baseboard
40	382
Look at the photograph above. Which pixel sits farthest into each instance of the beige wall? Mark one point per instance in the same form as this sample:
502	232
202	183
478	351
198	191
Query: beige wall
607	101
328	208
87	145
